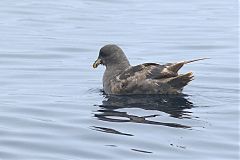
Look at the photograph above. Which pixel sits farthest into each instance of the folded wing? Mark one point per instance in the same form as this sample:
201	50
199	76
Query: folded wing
152	78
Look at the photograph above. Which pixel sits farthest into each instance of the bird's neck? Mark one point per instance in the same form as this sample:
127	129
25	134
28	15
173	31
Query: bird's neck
118	67
115	69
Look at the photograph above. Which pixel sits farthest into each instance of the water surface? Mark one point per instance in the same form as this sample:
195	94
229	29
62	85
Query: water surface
52	106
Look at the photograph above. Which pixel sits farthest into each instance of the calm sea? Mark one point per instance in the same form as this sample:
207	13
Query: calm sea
51	103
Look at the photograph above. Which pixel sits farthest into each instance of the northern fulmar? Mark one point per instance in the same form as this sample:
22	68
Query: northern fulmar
120	78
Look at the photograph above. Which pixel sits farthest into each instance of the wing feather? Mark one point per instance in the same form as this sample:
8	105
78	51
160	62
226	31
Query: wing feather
139	78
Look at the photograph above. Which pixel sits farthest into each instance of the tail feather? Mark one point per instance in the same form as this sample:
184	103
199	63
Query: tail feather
199	59
182	80
176	66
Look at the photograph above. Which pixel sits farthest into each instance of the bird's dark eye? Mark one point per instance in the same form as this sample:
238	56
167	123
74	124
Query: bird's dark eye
108	51
103	54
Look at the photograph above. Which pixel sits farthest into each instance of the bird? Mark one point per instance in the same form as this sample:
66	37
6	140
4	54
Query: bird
120	78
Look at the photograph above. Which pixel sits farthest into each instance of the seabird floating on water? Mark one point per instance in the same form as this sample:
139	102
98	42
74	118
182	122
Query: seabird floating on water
120	78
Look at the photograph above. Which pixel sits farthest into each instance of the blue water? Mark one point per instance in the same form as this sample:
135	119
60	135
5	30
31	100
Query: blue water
52	106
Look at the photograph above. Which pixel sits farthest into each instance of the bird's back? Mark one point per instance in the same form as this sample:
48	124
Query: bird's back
148	78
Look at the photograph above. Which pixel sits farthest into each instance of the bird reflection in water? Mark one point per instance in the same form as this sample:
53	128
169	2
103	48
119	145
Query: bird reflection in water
174	105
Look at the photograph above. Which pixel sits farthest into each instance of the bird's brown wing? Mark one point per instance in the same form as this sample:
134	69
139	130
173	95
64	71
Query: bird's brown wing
147	71
152	78
140	78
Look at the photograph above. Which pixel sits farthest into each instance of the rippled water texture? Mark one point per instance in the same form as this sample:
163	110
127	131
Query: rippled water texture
52	106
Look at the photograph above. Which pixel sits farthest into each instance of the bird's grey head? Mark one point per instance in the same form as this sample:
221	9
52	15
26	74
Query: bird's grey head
112	56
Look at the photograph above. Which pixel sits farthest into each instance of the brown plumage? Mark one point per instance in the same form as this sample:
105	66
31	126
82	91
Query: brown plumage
121	78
